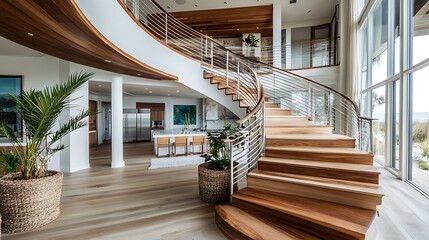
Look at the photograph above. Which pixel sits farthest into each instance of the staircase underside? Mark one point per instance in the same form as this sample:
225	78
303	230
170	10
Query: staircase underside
311	184
60	29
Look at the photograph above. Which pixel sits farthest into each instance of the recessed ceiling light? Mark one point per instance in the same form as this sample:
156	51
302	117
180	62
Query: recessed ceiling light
107	60
138	74
196	5
177	91
168	7
30	34
257	27
225	3
238	29
309	11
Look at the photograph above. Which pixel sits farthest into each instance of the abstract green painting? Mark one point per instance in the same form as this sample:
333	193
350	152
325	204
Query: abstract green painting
181	113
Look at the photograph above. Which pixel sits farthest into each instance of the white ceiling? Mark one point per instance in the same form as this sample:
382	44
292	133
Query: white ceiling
9	48
147	88
298	11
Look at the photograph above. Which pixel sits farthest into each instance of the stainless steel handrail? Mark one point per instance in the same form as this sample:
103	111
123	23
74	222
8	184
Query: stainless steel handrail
247	76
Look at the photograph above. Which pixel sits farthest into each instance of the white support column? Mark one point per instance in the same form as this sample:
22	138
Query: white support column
288	48
117	129
277	34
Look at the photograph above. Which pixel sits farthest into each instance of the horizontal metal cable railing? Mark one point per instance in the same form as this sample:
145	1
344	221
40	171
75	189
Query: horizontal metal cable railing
246	76
302	54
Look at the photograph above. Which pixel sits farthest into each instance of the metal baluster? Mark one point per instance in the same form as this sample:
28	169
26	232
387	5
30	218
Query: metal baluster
211	54
229	145
238	81
227	66
166	29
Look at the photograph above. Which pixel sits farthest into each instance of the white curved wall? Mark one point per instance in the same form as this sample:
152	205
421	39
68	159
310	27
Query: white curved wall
110	19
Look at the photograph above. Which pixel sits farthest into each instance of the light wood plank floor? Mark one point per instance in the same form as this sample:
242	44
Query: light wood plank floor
136	203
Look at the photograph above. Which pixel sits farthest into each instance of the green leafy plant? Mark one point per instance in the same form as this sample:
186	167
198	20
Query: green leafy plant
40	111
218	154
9	162
425	148
251	40
423	165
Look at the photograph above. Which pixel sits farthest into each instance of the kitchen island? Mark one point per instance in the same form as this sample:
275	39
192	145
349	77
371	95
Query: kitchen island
172	134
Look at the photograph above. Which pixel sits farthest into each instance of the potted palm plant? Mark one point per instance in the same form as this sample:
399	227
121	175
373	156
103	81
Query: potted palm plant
214	175
30	198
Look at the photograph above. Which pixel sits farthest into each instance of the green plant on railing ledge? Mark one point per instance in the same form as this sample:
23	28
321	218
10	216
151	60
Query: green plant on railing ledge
218	154
251	40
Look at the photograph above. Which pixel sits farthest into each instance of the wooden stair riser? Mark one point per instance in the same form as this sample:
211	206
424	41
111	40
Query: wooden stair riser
298	130
329	143
355	199
271	105
228	231
313	228
238	224
277	112
317	156
286	120
342	174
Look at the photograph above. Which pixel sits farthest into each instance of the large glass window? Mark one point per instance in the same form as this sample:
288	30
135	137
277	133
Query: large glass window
395	128
379	44
420	19
396	36
10	86
379	126
364	57
420	128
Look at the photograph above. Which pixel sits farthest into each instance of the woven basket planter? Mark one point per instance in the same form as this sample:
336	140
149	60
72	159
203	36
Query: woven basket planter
29	204
214	185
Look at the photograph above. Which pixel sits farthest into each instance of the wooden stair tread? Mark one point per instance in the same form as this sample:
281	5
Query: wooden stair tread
319	164
336	216
309	136
322	150
286	116
299	125
327	183
268	108
255	228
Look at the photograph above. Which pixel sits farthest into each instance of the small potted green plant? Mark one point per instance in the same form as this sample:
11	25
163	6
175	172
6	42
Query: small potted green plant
214	175
251	42
30	198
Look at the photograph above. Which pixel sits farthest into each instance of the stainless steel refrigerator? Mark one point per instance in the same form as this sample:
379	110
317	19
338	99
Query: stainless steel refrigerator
136	125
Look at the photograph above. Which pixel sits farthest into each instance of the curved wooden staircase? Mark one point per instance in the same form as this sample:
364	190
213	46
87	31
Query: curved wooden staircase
230	87
311	184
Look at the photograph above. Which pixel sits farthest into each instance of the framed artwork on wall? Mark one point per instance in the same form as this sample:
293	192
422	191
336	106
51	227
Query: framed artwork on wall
182	112
10	86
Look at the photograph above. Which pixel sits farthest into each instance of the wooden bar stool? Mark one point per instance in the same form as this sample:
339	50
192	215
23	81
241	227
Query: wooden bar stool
198	141
162	142
180	142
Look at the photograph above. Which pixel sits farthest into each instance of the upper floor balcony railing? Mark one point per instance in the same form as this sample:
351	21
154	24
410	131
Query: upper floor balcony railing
298	55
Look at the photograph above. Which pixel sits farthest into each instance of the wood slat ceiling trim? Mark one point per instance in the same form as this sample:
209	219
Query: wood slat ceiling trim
60	29
223	23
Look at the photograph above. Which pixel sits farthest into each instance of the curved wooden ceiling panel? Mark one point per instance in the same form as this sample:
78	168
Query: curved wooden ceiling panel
58	28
